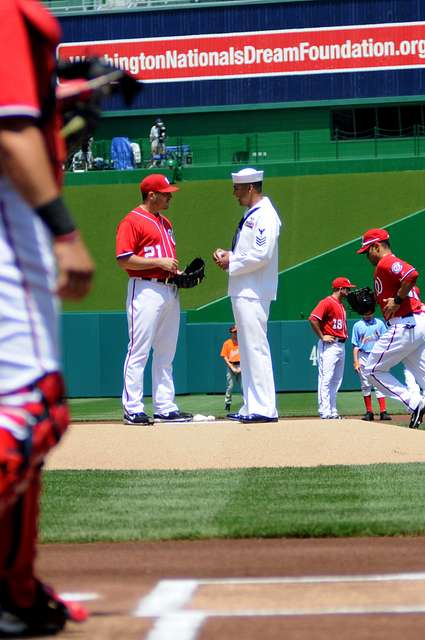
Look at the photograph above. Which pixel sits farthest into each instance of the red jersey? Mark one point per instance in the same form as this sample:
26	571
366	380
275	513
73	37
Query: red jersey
146	235
332	317
390	272
28	38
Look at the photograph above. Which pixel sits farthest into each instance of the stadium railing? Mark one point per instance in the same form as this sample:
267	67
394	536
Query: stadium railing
270	147
66	7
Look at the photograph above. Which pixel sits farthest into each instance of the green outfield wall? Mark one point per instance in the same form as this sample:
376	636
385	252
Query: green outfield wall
273	170
94	348
301	286
319	213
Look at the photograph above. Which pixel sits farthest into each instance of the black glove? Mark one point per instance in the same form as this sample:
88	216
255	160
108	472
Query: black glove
191	276
80	100
362	300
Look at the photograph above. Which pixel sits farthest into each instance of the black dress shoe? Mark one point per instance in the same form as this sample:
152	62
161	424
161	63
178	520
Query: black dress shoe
256	417
234	416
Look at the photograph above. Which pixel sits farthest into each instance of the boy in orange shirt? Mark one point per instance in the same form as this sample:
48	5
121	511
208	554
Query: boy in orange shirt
230	354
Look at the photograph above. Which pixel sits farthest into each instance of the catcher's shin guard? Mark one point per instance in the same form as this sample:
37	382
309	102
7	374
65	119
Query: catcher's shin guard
32	421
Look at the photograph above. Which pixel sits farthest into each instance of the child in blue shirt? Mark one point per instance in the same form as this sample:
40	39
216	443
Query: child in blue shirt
365	333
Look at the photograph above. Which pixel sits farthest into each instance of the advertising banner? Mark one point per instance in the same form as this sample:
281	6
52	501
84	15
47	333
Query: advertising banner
346	49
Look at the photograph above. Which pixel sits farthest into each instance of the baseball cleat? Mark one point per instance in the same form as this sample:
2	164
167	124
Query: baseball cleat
173	416
234	416
384	416
256	417
46	617
417	415
137	418
369	417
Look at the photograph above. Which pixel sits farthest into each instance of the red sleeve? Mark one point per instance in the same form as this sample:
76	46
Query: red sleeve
127	239
18	94
319	311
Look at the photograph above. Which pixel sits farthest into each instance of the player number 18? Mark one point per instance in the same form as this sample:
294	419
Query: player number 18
337	323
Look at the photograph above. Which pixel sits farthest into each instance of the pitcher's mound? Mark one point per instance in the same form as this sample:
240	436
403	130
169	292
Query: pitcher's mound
224	444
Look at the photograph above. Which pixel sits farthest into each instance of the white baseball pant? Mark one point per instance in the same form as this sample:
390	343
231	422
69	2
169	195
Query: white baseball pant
365	385
330	359
153	315
403	342
29	336
259	393
410	381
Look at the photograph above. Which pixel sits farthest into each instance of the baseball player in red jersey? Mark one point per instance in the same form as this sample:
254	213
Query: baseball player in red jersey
329	321
35	228
146	249
398	297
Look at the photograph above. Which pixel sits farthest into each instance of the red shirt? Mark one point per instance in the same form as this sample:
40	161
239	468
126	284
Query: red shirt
28	38
144	234
332	317
390	272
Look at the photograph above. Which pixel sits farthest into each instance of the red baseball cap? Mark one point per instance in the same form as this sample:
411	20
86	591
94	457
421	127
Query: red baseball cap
370	237
340	282
157	182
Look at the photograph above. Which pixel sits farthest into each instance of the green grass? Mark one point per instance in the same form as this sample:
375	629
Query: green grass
288	404
319	213
373	500
370	500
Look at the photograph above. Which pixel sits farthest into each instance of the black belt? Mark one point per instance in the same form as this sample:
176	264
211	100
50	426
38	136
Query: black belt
340	339
235	363
161	280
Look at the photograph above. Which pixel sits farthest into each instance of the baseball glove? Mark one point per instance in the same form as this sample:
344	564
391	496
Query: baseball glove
86	83
193	274
362	300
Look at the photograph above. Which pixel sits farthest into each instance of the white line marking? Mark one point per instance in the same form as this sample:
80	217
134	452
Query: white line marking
79	597
249	613
166	600
167	597
182	625
384	577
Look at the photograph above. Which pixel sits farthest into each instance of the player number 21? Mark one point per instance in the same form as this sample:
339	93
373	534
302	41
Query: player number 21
153	251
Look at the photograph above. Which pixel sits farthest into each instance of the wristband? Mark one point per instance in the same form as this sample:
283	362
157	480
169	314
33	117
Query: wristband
398	300
56	217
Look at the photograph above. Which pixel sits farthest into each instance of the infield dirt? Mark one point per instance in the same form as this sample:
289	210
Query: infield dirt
225	444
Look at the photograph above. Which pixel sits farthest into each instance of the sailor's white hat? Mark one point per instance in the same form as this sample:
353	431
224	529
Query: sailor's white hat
247	176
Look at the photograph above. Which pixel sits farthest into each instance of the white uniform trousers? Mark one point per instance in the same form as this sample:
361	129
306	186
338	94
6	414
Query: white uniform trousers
256	364
331	359
410	381
365	384
401	343
153	315
29	335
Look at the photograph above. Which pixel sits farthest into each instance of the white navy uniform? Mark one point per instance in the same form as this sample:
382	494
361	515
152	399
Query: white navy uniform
253	279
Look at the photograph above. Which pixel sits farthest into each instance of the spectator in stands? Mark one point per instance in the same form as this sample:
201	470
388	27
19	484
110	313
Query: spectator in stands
157	138
87	153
